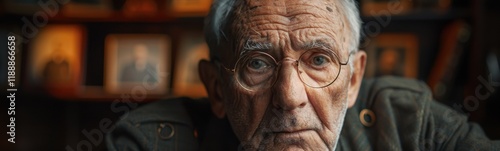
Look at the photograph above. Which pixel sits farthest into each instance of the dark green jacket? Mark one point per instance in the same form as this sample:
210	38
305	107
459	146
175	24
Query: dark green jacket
404	118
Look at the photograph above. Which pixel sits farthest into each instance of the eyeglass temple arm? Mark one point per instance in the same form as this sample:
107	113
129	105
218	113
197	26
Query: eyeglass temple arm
230	70
223	66
348	58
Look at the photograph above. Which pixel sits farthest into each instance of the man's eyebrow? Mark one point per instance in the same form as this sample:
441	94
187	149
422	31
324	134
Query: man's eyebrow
252	45
317	44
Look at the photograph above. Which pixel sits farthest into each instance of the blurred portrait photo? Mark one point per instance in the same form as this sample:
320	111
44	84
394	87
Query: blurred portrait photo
390	61
186	80
392	54
139	69
136	60
56	55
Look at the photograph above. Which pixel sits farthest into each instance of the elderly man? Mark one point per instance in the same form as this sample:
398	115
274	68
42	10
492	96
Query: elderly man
287	75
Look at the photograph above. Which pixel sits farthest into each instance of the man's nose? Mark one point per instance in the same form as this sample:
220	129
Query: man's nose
289	92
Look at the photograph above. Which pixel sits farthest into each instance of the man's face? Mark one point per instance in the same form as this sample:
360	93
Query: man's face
288	115
140	53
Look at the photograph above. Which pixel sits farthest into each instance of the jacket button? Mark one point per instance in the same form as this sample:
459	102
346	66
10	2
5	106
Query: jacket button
367	117
166	131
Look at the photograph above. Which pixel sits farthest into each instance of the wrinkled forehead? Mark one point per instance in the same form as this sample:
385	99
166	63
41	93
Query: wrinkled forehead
284	6
301	21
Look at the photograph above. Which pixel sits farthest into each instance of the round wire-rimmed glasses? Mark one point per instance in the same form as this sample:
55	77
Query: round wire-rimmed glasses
257	70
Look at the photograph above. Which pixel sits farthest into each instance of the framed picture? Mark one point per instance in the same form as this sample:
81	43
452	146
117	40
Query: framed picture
374	7
137	62
187	82
55	58
393	54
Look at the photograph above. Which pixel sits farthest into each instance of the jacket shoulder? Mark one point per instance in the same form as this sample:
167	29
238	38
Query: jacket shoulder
160	125
391	82
172	110
394	90
389	113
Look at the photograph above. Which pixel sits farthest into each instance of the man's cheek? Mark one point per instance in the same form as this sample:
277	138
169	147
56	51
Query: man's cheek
240	114
236	119
316	142
329	105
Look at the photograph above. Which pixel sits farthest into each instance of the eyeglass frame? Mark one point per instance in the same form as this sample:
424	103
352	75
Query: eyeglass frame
296	62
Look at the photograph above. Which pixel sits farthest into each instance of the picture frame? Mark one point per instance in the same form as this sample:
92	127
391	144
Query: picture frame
55	60
193	48
137	62
393	54
375	7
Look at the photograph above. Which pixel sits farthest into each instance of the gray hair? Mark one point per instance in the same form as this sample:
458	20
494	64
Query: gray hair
218	20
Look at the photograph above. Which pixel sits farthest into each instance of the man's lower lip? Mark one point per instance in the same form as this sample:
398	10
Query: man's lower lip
291	135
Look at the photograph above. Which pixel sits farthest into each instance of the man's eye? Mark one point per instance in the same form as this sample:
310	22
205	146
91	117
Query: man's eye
319	60
257	64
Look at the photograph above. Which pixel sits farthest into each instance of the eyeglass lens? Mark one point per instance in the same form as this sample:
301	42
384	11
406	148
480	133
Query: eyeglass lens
258	70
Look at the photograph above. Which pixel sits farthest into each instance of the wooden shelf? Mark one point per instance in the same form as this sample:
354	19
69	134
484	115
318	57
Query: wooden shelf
426	15
110	17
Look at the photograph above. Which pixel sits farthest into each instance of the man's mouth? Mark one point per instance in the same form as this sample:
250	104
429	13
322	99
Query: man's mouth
290	135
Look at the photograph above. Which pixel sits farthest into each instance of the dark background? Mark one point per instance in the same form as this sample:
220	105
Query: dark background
46	121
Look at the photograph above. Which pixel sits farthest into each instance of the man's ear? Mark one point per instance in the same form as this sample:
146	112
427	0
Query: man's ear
209	77
357	77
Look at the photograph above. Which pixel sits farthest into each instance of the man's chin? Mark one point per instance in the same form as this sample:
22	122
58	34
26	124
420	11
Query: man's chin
301	140
293	148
